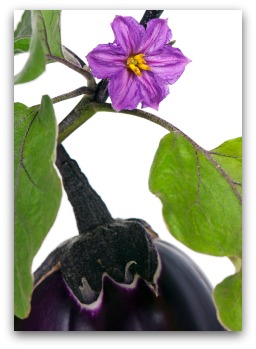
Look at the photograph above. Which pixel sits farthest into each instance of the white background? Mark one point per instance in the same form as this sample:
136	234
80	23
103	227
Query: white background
116	151
116	340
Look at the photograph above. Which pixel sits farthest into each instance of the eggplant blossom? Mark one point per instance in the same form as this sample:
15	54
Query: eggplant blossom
140	63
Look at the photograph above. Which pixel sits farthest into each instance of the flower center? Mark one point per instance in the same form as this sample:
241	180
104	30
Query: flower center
137	63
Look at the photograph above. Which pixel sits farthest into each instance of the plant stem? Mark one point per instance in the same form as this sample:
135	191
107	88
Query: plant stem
78	92
87	92
107	107
94	107
82	112
150	14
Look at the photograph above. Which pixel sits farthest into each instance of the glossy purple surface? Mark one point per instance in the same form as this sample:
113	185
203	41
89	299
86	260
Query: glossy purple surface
184	302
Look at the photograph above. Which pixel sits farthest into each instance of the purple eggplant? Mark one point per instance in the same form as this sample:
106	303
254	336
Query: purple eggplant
116	275
184	302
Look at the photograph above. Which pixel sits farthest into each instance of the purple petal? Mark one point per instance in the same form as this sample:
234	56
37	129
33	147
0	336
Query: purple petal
105	61
123	90
128	34
157	35
168	64
153	90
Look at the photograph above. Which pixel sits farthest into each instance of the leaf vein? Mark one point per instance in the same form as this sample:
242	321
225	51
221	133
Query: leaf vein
45	32
225	155
30	178
22	152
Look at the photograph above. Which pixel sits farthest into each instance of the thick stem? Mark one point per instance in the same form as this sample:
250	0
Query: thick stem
82	112
90	211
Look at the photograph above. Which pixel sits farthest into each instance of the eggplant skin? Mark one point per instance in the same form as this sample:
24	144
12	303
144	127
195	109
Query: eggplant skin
184	302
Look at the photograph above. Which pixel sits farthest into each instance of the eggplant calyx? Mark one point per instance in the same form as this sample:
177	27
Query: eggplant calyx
122	251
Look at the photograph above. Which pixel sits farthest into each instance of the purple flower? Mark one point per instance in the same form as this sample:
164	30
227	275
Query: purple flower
139	64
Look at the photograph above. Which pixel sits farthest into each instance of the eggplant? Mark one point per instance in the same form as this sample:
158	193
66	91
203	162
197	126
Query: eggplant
116	275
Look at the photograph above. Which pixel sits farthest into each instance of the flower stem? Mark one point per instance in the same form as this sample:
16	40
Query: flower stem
107	107
85	110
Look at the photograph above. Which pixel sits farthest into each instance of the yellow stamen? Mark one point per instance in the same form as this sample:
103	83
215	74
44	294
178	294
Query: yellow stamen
137	62
143	66
134	69
139	58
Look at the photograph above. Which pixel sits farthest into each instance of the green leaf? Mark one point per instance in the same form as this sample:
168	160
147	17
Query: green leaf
228	298
37	190
24	28
45	40
35	64
200	193
201	205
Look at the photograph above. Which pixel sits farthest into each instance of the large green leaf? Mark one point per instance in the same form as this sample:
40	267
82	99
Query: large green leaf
200	202
37	190
200	193
45	40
